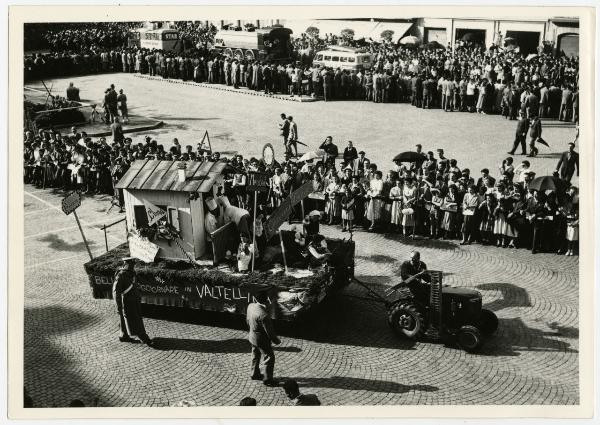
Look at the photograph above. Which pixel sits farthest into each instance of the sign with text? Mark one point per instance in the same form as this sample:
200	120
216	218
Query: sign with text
258	182
153	212
71	202
281	214
142	249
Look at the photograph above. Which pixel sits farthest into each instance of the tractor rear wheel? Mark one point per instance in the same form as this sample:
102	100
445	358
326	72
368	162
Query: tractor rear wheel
488	323
407	321
469	338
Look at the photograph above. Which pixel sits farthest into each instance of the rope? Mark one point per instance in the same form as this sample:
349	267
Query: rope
175	239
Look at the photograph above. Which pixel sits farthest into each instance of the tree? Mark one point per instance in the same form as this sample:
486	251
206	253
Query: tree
312	32
347	35
387	35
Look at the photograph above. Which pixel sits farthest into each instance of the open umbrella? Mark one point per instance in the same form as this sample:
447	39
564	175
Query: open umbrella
434	45
510	40
319	153
409	156
544	183
410	40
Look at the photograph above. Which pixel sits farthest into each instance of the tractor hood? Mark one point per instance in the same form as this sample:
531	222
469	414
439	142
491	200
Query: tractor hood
461	292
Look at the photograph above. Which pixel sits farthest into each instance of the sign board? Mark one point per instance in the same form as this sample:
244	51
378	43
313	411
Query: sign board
225	238
153	212
281	214
142	249
258	182
203	146
71	202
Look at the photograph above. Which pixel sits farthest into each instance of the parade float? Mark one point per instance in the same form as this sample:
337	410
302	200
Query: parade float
178	266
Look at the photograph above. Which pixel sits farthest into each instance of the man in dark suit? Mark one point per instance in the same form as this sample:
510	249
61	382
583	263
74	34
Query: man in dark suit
261	334
567	163
485	177
535	132
350	155
73	93
522	127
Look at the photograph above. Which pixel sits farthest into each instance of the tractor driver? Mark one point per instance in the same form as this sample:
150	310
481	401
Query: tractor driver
418	286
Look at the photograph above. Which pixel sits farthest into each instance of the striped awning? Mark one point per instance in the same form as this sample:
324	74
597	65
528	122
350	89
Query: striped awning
163	175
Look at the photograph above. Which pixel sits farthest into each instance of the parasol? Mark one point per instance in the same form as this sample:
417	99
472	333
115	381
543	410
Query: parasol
410	40
510	40
544	183
409	156
531	56
319	153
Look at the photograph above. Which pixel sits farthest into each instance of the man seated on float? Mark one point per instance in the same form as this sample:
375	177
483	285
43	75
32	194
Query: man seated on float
239	216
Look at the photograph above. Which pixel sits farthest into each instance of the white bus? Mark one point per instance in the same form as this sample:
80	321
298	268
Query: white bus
343	58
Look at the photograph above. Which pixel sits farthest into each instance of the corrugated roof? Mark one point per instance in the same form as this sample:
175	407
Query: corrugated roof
162	175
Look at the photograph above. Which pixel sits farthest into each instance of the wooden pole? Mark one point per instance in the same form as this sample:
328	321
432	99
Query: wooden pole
83	236
283	252
254	232
105	238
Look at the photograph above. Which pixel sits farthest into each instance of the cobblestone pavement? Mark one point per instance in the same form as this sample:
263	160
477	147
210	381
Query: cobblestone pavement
350	356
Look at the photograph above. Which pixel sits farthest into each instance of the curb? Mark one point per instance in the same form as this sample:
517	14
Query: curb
129	130
245	91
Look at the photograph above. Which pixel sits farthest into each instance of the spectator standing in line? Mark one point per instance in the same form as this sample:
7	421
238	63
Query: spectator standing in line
122	100
261	335
566	105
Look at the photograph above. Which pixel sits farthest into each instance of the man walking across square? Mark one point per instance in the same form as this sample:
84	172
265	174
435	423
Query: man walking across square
261	334
522	127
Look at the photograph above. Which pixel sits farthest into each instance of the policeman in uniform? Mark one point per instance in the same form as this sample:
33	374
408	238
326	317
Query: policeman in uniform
127	297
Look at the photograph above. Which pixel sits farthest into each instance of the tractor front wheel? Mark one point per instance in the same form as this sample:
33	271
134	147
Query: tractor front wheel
407	321
469	338
488	323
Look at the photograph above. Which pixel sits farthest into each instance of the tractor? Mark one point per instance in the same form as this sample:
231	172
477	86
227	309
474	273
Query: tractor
430	310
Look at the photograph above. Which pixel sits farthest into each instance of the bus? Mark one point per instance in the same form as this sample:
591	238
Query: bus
265	44
343	58
162	38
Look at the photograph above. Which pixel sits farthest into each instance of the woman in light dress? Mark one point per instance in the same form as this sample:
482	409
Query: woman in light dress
396	198
375	201
333	207
409	197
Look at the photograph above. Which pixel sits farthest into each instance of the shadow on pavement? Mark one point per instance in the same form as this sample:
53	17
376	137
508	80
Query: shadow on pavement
56	243
342	382
564	331
377	258
514	336
46	365
235	345
512	296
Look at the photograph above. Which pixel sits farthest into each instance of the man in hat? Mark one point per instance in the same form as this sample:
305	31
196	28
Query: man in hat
261	335
211	219
127	297
292	391
567	163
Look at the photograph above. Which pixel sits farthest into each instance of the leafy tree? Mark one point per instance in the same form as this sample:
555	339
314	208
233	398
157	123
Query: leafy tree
387	35
347	35
312	32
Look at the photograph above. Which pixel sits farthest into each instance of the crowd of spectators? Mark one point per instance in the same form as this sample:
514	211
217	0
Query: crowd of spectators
469	79
433	197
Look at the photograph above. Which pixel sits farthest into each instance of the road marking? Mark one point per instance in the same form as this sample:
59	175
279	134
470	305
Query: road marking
87	223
